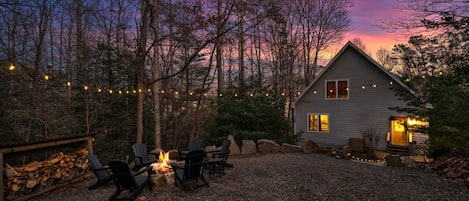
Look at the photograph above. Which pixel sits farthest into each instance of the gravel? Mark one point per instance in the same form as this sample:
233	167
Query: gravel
293	176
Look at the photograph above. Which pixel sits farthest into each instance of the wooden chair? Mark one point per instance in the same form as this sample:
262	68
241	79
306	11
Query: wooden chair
124	179
217	164
102	173
192	170
141	156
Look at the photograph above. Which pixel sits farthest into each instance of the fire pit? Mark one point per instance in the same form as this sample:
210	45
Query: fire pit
164	174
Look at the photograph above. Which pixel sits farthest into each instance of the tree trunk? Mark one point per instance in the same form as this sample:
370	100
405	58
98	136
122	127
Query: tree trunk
156	74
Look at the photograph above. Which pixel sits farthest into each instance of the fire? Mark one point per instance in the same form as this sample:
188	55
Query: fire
163	165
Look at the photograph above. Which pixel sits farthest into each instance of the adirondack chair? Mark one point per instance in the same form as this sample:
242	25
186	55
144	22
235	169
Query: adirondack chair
192	170
141	156
124	180
194	144
217	164
102	173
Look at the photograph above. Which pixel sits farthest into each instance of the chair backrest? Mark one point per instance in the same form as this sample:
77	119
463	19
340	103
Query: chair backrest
193	164
122	174
225	149
195	144
97	166
141	154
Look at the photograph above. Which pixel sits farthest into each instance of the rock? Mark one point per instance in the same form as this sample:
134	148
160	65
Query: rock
408	161
267	146
290	148
234	148
311	147
173	154
393	161
211	148
248	147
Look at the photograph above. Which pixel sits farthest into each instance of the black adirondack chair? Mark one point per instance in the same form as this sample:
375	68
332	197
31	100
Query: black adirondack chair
141	156
102	173
124	180
189	175
217	164
194	144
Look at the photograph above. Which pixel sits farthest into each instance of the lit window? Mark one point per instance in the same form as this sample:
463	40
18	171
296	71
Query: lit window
318	122
337	89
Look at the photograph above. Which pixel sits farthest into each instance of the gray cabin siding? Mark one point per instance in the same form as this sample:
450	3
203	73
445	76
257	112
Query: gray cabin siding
363	109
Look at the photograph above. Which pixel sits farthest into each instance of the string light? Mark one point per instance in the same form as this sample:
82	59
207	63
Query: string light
99	90
12	67
85	88
46	77
69	84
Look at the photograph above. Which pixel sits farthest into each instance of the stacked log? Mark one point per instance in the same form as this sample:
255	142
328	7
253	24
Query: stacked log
37	175
452	166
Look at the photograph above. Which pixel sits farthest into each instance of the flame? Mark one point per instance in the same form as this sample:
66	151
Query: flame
163	165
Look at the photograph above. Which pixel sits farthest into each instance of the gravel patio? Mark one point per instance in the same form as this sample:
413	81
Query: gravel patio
293	176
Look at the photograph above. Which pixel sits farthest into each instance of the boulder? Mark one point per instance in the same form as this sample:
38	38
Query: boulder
234	148
248	147
290	148
408	161
310	147
267	146
393	161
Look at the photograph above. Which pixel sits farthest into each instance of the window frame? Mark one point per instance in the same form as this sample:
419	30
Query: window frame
337	95
318	125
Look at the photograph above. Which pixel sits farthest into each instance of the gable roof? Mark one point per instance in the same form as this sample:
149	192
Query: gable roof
354	47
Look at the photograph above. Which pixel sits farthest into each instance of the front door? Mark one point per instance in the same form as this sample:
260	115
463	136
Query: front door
398	131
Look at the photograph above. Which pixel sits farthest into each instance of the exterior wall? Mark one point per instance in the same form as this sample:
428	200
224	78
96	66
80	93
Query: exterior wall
365	108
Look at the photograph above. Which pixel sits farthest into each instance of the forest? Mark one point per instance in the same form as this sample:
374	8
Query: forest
162	72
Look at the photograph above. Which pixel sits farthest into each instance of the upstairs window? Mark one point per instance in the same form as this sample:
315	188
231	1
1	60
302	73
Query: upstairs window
337	89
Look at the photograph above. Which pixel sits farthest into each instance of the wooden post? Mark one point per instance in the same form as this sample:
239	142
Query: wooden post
89	145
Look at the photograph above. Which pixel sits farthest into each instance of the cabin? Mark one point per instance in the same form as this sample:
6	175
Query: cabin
351	99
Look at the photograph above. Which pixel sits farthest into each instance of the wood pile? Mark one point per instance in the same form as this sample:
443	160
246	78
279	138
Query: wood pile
37	175
453	166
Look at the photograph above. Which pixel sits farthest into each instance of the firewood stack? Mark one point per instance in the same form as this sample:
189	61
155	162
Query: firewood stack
37	175
452	166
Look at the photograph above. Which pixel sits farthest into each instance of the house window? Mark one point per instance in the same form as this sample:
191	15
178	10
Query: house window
337	89
318	122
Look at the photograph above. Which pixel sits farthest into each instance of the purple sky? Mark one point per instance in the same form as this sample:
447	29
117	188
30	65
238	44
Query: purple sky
365	15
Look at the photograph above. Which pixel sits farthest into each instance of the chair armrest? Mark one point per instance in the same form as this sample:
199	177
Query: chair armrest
147	169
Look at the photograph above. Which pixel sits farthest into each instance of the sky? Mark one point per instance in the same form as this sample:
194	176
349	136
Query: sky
364	16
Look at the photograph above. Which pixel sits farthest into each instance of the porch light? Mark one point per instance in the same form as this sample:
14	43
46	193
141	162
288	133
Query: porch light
388	137
410	137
